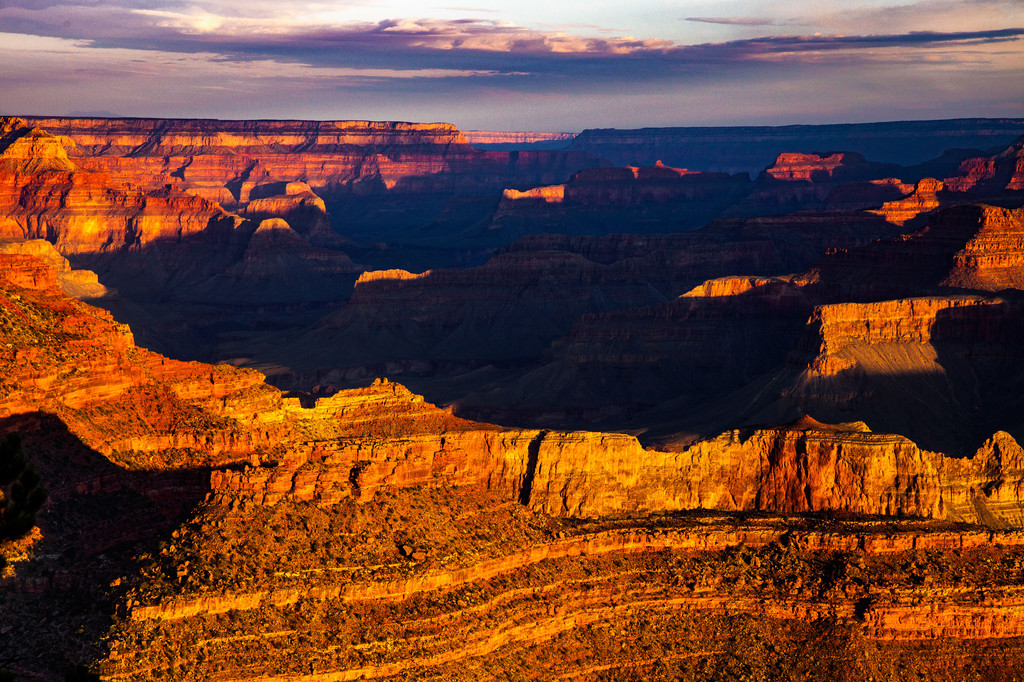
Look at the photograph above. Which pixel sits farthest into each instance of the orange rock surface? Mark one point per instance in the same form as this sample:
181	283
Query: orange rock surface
225	161
813	167
999	173
45	194
472	540
969	246
923	200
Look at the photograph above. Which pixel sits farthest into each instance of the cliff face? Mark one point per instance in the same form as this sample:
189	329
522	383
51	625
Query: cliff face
751	149
635	601
596	200
65	358
805	467
993	175
145	204
68	358
377	535
529	294
836	166
226	160
924	199
968	246
861	361
46	195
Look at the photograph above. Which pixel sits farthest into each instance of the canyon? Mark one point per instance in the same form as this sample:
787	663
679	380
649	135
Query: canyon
649	420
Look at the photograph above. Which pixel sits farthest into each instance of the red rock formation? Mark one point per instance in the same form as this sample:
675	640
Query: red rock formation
490	137
752	148
43	194
63	357
923	200
991	175
970	246
297	204
816	167
683	198
332	157
437	542
993	257
932	369
853	196
552	194
81	284
281	266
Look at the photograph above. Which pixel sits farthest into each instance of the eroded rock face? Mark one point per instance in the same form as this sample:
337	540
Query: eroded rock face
924	199
894	600
46	195
69	358
227	160
969	246
298	205
991	175
595	200
81	284
817	167
66	358
383	535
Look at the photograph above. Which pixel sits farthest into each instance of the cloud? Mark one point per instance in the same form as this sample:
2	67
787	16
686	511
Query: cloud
926	15
255	58
739	21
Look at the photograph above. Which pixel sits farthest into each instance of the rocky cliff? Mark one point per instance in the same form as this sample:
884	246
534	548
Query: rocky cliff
993	175
652	198
44	194
968	246
225	160
374	534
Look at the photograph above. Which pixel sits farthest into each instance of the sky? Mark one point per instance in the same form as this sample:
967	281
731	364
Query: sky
524	65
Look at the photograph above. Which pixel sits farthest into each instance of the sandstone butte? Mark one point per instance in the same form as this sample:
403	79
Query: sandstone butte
375	535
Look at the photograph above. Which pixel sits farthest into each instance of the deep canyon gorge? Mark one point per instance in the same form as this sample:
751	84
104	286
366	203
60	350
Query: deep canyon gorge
340	400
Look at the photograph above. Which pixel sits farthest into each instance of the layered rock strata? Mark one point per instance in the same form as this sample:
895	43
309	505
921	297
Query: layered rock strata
375	535
969	246
688	598
45	194
226	160
530	293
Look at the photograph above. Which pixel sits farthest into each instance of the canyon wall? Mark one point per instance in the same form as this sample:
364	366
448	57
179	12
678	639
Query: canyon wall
750	148
225	160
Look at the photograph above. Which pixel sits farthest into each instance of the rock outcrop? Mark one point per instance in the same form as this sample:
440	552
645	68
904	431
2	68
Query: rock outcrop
815	168
490	139
596	200
529	294
80	284
296	203
226	160
827	461
44	194
968	246
924	199
994	175
374	534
